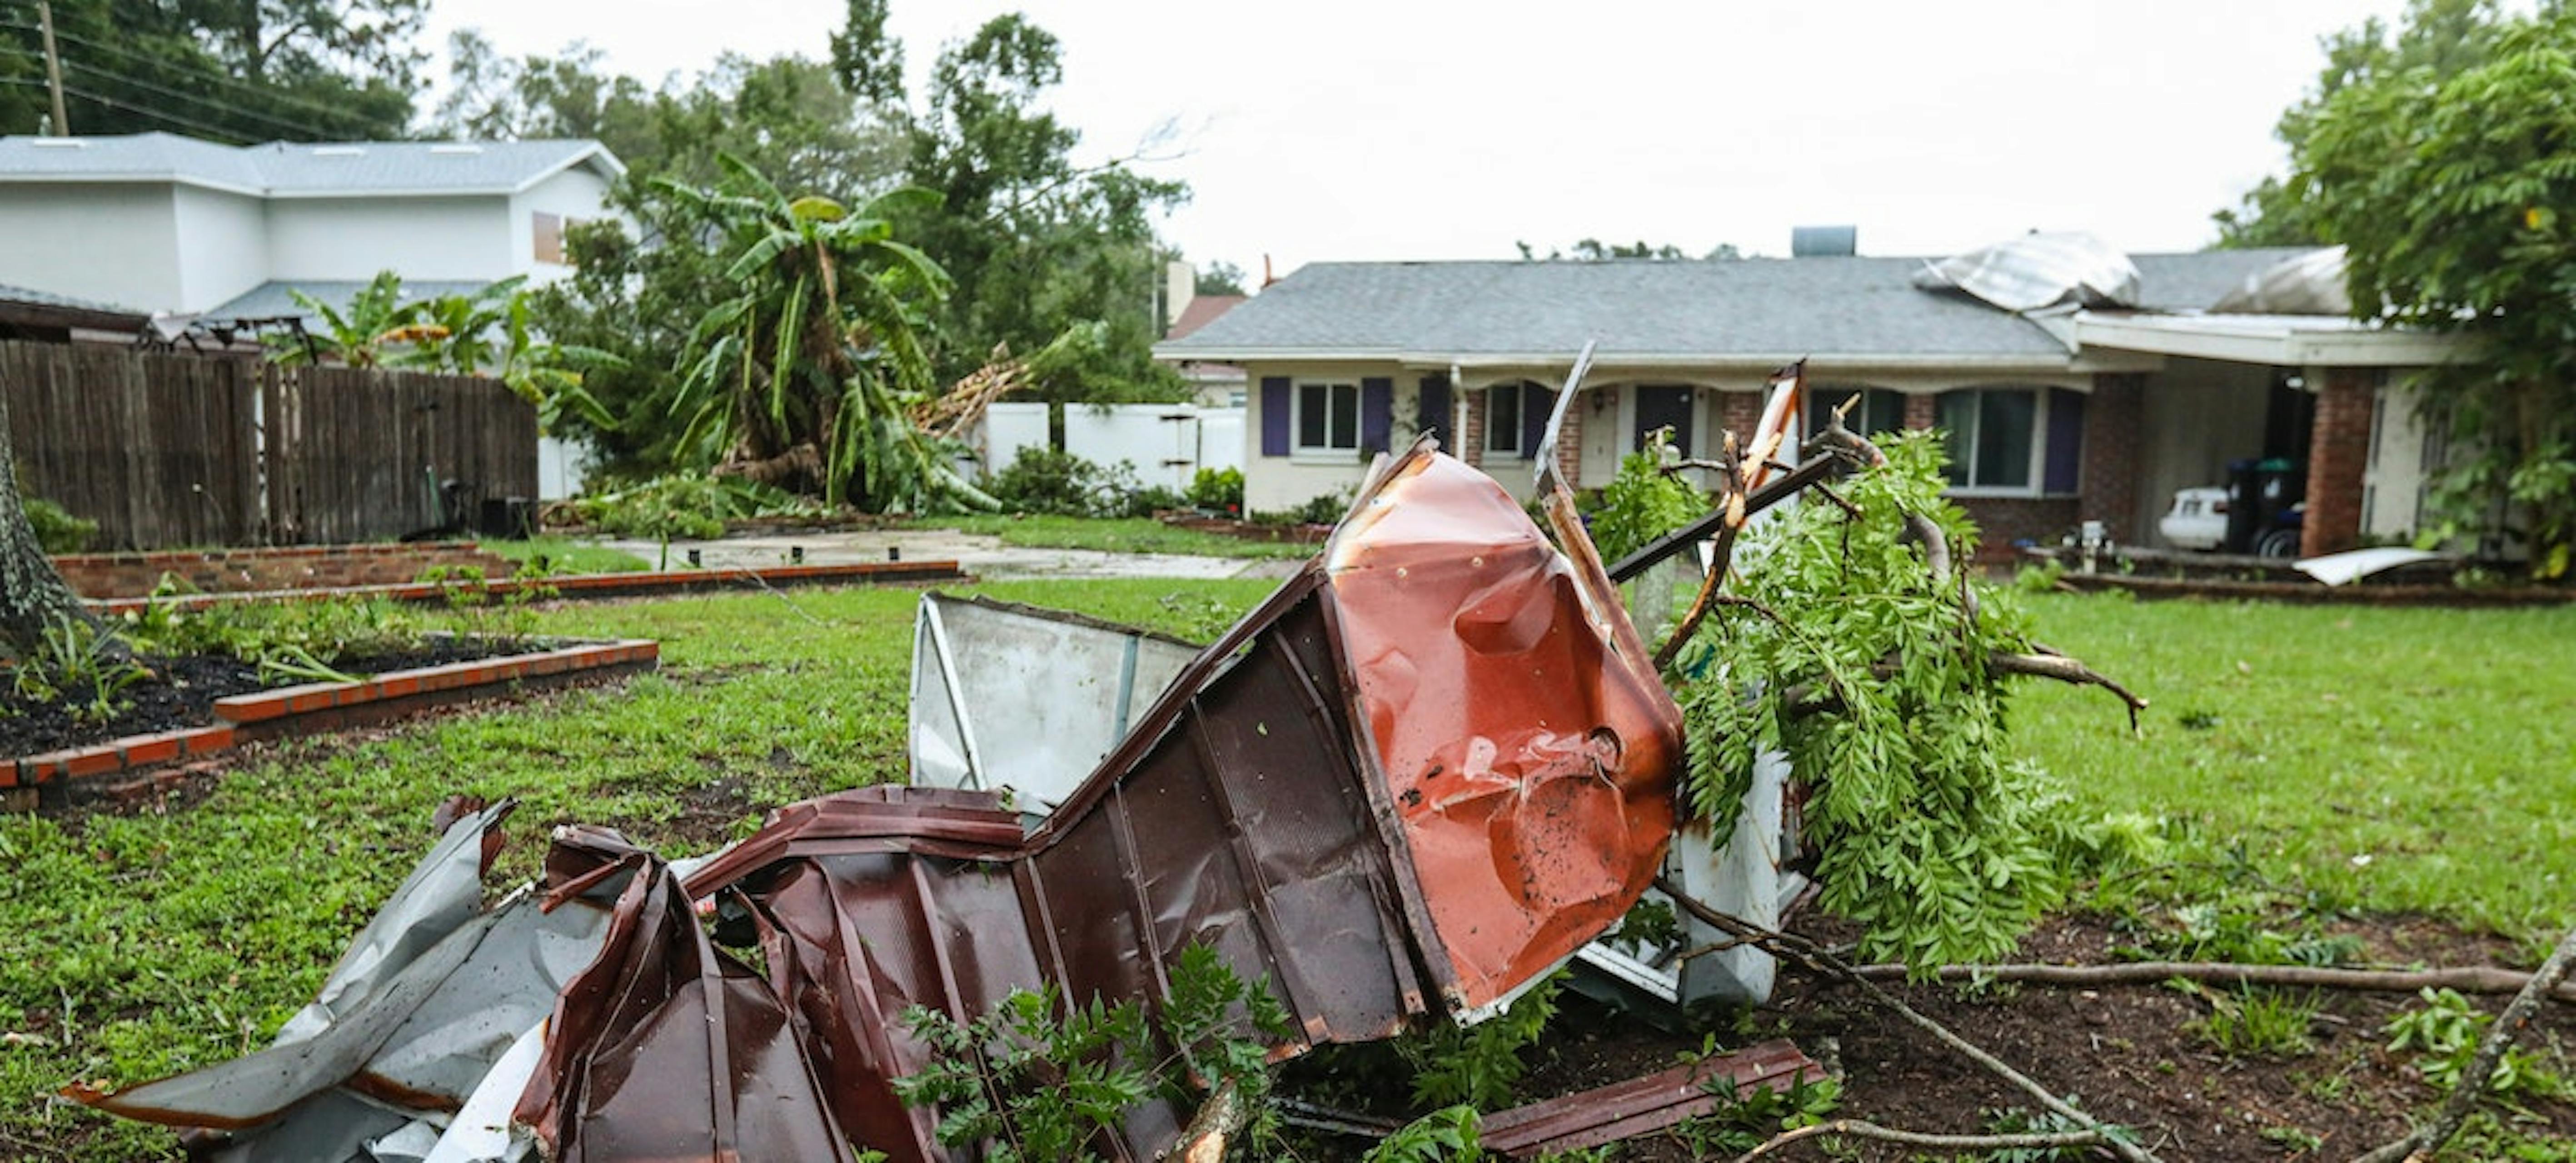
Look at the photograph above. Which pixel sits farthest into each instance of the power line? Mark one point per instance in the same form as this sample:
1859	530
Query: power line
228	135
235	110
202	73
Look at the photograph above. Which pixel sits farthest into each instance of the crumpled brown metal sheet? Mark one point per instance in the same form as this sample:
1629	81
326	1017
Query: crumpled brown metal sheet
666	1048
1438	750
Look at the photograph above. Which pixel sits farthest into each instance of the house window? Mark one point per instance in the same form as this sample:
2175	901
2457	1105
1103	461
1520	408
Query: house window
1992	437
1503	418
548	232
1328	417
1878	411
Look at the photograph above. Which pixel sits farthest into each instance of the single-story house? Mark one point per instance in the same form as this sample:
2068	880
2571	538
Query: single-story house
2055	416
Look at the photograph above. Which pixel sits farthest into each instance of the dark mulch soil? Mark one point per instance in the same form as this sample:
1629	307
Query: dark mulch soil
2128	1053
182	692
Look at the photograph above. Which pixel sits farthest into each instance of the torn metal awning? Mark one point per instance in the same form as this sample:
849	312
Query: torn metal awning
1415	780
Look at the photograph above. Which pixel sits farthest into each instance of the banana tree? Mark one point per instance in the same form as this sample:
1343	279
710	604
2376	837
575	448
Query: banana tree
806	376
377	323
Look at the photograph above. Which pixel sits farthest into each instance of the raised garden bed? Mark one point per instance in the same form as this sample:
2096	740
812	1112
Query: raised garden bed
1301	534
199	705
295	567
597	585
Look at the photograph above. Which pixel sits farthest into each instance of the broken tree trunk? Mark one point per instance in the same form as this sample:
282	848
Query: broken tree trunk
32	596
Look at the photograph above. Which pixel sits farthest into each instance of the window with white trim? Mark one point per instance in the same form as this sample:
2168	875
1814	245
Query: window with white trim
1993	437
1328	417
1503	418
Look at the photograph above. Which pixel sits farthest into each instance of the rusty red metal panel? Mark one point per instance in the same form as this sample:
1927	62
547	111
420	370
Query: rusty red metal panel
1515	719
1640	1106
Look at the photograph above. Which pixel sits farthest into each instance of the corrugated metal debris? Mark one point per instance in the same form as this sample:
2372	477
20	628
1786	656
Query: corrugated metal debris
1641	1106
1412	782
2039	270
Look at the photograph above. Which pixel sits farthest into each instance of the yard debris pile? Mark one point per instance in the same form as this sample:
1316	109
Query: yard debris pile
1414	781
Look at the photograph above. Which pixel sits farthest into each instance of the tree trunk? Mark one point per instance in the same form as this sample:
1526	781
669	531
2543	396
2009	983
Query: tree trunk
32	595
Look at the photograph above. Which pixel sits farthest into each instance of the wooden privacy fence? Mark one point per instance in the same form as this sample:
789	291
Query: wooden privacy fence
169	450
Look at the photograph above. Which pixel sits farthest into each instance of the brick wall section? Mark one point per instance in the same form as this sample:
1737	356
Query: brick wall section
225	571
2109	482
2338	451
2004	520
1922	410
1471	447
1569	446
1740	413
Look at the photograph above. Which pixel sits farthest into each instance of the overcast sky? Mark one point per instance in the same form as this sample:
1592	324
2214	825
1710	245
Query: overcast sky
1339	129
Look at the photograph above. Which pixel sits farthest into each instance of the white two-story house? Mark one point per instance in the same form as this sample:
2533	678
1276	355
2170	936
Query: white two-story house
169	225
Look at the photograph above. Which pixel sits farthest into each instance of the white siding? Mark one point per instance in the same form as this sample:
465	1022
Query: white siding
422	238
577	193
113	242
222	246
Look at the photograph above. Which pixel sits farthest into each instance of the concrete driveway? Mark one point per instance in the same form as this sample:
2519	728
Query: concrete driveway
980	554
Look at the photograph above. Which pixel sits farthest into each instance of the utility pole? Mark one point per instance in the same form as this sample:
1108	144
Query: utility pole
53	68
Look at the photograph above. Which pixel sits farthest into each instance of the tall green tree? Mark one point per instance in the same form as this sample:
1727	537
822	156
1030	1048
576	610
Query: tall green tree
2456	194
236	71
2437	39
1038	244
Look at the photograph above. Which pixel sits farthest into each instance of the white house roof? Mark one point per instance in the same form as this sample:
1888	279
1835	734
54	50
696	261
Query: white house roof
271	300
301	169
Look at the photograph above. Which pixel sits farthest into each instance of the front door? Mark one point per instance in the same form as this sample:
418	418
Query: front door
1664	407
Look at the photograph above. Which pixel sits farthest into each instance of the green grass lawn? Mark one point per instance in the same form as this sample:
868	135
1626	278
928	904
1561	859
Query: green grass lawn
2407	760
2436	743
569	555
1124	535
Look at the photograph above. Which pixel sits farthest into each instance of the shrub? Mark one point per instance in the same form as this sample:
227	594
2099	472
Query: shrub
1641	503
690	506
57	531
1047	481
1217	489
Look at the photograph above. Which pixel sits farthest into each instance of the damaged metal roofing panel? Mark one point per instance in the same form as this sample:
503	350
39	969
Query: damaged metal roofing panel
1010	696
1431	765
428	997
2039	270
666	1048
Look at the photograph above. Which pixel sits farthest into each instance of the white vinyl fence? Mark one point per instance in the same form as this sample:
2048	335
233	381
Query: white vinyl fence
1166	444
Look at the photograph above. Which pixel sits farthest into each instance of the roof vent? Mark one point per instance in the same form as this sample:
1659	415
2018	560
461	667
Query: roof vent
1824	241
339	151
456	148
57	143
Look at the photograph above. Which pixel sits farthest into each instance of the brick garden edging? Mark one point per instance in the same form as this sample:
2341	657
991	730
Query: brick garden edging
592	585
316	708
220	571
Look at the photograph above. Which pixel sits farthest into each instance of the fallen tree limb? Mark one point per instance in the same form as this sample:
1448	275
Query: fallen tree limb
1864	1129
2469	979
2067	670
1809	954
2472	1083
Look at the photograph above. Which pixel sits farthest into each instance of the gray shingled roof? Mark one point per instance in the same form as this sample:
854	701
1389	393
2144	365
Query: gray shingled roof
293	169
270	300
10	294
1843	306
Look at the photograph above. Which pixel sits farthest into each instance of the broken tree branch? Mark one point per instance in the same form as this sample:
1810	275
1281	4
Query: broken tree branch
1864	1129
2472	1083
1721	559
1809	954
2067	670
2471	979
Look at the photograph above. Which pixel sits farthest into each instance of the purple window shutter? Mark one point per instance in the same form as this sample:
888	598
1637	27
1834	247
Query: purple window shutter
1377	414
1431	409
1536	403
2062	470
1274	416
